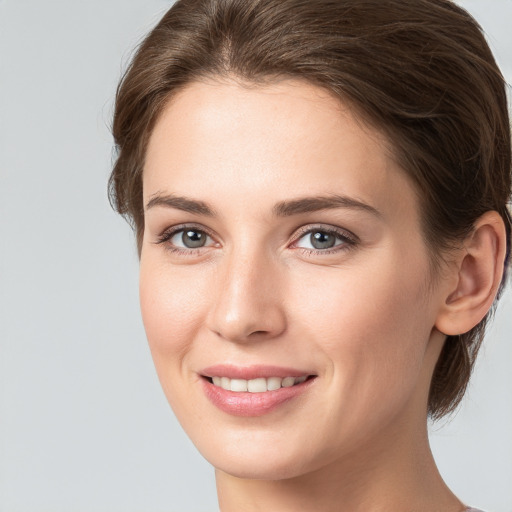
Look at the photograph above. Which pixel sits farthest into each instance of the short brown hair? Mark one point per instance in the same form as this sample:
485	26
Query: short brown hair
420	71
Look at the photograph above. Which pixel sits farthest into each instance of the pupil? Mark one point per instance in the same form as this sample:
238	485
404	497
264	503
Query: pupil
320	240
193	239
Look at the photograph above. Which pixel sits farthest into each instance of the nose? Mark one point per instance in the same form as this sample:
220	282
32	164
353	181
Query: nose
248	304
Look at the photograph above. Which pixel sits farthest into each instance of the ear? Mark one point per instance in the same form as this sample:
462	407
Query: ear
478	273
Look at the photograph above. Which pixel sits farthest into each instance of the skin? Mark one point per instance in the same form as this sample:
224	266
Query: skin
363	318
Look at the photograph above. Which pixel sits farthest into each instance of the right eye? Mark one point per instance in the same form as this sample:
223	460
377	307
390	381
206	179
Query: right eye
189	238
185	239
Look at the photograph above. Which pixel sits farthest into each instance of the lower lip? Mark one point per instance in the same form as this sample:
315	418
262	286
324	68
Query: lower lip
252	404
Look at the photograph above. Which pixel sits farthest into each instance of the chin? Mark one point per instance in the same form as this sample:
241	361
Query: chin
259	470
264	460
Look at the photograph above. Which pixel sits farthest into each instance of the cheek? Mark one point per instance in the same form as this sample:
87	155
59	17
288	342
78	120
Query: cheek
373	324
172	304
382	299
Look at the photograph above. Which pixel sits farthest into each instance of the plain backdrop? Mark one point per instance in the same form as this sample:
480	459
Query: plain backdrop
84	426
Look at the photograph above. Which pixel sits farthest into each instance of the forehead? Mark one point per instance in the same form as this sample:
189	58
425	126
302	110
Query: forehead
219	140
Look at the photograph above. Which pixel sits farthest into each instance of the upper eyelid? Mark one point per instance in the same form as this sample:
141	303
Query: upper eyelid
304	230
172	230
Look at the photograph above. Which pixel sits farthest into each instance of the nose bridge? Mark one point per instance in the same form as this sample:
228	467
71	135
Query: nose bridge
248	303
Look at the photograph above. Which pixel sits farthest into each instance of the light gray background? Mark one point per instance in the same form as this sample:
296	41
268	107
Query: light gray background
84	425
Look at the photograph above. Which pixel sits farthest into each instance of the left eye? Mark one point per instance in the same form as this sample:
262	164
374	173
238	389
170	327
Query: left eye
320	240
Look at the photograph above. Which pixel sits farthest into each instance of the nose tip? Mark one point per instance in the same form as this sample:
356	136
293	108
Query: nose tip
253	326
248	306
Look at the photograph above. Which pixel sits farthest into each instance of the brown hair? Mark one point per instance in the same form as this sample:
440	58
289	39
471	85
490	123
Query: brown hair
421	71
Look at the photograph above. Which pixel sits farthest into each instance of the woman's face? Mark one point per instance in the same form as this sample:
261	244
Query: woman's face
284	280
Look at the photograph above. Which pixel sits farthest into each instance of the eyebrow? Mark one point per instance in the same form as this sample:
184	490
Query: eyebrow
313	204
181	203
281	209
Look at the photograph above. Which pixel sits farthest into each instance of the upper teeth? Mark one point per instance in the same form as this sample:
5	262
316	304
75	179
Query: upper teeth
258	385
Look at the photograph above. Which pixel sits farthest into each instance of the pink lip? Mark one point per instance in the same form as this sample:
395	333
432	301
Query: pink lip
251	404
251	372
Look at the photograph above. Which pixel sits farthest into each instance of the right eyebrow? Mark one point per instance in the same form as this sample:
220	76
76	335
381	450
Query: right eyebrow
180	203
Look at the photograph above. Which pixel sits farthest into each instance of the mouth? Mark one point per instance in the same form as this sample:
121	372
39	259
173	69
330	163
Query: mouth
253	391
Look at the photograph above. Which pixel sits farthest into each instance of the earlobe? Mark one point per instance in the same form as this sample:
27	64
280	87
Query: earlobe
479	272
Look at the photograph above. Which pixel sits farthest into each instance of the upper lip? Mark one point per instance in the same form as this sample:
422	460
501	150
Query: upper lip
251	372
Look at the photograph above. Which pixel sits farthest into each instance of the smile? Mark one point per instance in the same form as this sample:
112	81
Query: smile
255	390
257	385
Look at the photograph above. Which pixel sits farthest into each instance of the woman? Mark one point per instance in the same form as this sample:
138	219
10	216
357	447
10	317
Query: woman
319	191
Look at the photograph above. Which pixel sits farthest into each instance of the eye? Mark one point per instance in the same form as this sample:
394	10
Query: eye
185	239
189	238
325	240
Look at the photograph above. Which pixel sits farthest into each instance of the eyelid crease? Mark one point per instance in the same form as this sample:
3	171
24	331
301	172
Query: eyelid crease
170	232
341	232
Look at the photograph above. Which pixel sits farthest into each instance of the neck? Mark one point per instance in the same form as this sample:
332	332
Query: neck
396	473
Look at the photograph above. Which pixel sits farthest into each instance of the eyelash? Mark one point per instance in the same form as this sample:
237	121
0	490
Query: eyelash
349	240
168	234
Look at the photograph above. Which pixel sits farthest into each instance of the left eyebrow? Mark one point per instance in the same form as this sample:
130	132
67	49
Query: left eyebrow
313	204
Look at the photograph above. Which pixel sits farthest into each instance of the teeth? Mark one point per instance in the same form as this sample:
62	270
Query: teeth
273	383
259	385
238	385
288	382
